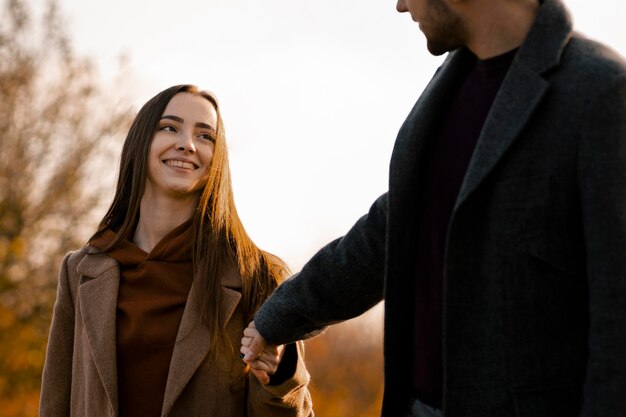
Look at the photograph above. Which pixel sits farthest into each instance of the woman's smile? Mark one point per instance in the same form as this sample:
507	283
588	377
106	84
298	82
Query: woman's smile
177	163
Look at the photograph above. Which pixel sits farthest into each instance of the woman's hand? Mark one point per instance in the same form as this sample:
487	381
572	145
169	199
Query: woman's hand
262	357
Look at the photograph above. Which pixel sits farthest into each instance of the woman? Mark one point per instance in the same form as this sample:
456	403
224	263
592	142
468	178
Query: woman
149	314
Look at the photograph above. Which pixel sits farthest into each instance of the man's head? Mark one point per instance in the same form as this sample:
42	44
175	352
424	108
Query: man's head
486	27
443	27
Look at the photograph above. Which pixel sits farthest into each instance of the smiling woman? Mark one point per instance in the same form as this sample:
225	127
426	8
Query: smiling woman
148	312
182	148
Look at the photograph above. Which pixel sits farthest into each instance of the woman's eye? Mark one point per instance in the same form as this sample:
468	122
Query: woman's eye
169	128
206	136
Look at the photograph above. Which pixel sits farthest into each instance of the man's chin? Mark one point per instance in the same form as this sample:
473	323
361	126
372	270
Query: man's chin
437	48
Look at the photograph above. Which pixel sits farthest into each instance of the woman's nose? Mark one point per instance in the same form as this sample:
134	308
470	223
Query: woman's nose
185	143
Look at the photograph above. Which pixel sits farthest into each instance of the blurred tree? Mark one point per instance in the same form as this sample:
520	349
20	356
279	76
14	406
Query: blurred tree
346	367
56	123
58	129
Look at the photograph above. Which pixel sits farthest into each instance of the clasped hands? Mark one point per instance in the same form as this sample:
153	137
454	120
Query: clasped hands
262	357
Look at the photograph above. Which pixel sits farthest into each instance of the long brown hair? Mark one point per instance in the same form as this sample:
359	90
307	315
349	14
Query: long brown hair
220	239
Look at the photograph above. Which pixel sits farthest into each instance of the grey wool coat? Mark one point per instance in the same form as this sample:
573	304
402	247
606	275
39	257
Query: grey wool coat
80	374
535	268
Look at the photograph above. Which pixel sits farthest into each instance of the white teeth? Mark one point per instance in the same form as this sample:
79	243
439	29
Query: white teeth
179	164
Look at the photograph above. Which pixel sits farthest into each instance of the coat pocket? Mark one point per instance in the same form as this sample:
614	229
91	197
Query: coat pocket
558	253
548	400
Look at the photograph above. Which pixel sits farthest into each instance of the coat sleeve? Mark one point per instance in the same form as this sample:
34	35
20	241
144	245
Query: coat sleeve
57	374
602	180
343	280
289	398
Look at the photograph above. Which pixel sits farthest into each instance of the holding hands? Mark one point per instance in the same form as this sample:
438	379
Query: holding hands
263	358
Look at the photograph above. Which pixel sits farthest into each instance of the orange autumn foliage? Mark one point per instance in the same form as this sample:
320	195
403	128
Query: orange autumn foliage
346	367
51	107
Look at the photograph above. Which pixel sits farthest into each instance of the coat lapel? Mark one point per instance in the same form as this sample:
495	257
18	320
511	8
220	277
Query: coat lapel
97	299
517	99
193	340
520	94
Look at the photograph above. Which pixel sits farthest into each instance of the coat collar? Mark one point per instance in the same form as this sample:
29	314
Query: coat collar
522	90
97	299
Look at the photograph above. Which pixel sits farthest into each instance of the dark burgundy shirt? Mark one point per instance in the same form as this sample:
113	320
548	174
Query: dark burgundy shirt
448	157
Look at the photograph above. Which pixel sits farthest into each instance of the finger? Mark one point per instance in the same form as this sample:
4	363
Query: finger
264	364
242	351
245	341
281	351
264	356
267	367
251	324
262	376
250	332
255	348
247	355
273	353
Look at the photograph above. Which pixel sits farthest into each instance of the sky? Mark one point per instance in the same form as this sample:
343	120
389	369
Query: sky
312	93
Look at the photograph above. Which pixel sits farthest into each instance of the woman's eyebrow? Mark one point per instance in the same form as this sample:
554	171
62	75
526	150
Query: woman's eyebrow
205	126
181	120
175	118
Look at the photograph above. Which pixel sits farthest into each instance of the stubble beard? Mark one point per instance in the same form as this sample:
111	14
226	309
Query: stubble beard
447	29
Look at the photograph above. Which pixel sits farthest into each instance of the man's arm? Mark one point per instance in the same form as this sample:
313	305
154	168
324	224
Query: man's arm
602	177
343	280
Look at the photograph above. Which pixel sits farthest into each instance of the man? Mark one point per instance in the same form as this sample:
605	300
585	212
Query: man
500	247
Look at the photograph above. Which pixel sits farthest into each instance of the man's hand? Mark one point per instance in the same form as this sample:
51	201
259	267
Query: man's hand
263	358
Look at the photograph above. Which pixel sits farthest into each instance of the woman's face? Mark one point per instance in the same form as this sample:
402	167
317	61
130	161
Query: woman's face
182	147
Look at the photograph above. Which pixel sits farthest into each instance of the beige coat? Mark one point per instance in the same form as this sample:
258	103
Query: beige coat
80	373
